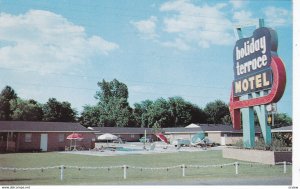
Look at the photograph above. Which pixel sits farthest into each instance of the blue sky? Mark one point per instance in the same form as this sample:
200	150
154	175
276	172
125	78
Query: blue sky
62	48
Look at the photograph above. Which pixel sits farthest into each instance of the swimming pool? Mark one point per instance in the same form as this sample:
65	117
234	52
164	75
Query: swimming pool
123	149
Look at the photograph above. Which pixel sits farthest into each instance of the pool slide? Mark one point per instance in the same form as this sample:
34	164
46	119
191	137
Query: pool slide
162	137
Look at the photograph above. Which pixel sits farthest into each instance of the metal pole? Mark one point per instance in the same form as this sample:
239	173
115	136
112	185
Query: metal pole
183	170
62	172
236	168
145	139
7	141
124	171
284	167
272	118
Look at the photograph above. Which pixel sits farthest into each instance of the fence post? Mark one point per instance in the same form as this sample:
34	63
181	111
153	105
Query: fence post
62	172
183	170
236	168
284	167
124	171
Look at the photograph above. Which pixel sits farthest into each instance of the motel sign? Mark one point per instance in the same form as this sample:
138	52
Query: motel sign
259	80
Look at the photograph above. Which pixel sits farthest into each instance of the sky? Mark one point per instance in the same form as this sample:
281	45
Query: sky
62	48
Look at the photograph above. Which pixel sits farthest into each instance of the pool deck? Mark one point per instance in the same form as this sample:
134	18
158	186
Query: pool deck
138	149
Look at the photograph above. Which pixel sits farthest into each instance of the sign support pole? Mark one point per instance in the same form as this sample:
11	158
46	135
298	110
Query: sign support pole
248	125
262	118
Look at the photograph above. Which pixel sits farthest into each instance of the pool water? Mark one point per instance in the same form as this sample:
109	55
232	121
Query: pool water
127	149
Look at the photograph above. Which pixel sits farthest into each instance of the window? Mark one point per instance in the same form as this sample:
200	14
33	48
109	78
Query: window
28	137
61	137
132	136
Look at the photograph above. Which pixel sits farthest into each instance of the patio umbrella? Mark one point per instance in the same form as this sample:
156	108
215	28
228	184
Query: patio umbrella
107	136
74	136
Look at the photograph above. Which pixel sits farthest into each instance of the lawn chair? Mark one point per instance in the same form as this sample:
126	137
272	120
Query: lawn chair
152	146
67	148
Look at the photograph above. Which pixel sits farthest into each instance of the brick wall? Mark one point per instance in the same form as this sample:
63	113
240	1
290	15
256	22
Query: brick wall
130	137
53	143
34	145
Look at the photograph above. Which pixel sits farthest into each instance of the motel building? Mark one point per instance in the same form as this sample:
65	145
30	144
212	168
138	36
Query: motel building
29	136
217	133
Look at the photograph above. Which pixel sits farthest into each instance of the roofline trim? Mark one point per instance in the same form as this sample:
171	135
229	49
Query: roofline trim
18	131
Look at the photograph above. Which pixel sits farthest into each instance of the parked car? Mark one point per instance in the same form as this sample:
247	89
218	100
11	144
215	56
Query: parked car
181	142
148	139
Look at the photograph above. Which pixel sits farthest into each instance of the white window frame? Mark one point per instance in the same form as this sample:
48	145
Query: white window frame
132	135
28	137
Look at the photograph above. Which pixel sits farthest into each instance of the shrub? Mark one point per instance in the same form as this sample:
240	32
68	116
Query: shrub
276	145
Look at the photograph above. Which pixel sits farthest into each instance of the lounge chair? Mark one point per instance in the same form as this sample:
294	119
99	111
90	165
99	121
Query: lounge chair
152	146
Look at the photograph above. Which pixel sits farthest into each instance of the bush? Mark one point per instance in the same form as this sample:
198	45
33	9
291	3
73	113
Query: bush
276	145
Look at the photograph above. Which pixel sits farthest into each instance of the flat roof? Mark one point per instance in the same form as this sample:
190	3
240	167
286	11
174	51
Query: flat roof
35	126
169	130
122	130
283	129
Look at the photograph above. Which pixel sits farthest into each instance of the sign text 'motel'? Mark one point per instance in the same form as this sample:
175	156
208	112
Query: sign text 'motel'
252	58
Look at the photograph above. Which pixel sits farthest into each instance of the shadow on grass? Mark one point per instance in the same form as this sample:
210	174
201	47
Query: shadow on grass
16	179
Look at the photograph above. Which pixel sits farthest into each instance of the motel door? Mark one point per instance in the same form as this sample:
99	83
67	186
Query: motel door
44	142
223	140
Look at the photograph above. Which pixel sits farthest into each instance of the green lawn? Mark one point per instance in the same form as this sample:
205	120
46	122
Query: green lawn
115	176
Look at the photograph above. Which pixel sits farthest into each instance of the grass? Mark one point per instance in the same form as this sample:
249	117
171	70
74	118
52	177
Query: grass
115	176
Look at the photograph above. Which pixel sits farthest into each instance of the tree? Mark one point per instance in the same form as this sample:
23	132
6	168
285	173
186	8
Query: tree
216	111
184	113
226	120
156	128
180	111
112	109
58	111
198	114
7	97
91	116
140	113
282	120
27	110
118	113
111	90
173	112
159	112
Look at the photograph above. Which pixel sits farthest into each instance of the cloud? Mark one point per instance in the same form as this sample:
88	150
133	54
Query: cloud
277	16
46	42
188	25
237	4
244	17
177	43
147	28
194	25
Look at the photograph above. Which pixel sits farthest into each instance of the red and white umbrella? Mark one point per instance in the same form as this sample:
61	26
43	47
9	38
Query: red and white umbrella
74	136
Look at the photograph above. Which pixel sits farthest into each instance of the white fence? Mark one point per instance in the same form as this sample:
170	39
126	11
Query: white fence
183	168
